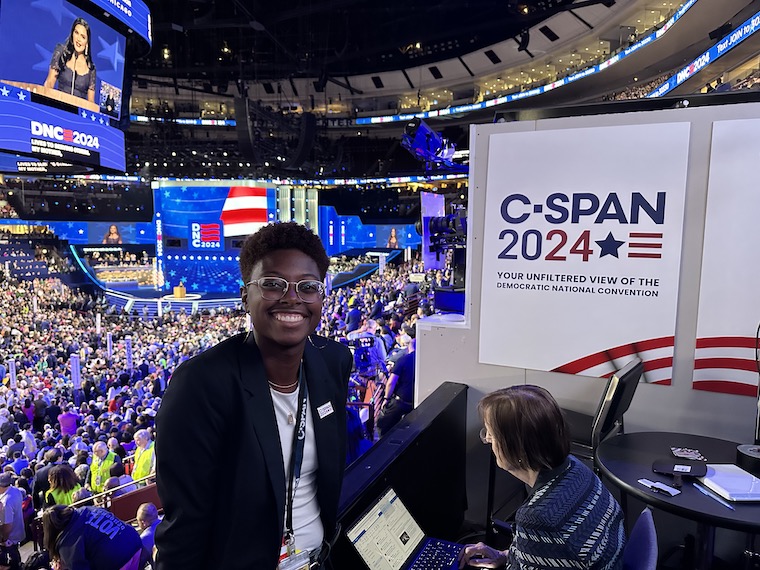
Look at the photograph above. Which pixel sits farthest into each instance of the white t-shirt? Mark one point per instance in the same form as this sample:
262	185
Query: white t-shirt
307	524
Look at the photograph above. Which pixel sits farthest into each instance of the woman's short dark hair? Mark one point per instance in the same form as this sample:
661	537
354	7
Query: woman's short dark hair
282	235
527	426
54	521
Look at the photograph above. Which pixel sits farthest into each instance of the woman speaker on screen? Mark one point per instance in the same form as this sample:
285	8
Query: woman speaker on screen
71	67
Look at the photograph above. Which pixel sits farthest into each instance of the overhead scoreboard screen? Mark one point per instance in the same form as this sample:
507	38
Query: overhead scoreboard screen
62	78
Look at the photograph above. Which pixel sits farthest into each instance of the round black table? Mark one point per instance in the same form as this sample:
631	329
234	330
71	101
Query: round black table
625	459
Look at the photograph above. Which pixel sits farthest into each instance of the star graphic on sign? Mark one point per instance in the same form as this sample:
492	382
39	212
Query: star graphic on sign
110	53
194	286
172	273
101	120
57	8
609	245
21	96
84	114
5	91
45	57
195	195
93	117
81	232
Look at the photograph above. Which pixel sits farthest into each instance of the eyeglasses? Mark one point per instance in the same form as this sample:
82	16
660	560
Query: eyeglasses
275	288
485	437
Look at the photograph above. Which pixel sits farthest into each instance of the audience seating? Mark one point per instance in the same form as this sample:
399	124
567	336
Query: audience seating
125	506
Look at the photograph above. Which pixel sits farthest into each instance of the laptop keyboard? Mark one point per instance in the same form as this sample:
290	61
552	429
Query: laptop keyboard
436	555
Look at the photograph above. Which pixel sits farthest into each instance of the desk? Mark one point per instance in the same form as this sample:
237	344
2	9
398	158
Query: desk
627	458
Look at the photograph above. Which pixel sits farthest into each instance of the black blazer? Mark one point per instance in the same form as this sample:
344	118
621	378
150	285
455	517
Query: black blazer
219	463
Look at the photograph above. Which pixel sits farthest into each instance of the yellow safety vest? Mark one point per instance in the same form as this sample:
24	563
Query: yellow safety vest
61	497
143	461
100	471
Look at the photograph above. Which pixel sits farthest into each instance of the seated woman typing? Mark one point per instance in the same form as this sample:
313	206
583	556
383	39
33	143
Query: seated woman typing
569	520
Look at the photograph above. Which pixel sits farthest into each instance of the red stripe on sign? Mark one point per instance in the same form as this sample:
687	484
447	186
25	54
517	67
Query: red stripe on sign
658	364
726	387
646	245
617	352
643	235
244	215
246	191
726	363
727	342
646	255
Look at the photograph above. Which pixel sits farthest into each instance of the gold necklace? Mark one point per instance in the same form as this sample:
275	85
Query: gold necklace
278	388
281	388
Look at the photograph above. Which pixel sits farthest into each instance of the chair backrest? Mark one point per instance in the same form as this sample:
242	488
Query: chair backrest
617	399
125	506
641	550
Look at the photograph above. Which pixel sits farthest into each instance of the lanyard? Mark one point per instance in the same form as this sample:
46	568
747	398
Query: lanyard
296	457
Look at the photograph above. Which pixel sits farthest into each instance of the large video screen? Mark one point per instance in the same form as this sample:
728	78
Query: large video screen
201	228
61	79
55	48
341	233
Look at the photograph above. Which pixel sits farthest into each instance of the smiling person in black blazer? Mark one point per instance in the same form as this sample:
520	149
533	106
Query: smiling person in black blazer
228	447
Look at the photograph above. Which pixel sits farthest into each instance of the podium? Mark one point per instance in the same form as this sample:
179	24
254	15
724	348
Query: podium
179	291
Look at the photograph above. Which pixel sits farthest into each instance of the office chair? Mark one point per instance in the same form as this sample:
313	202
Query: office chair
640	552
587	432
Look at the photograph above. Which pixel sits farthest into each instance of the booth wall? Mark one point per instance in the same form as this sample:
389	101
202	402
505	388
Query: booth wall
449	351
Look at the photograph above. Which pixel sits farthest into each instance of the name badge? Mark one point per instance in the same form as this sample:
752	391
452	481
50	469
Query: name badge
325	410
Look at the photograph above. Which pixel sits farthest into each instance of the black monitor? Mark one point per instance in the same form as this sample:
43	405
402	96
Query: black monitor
423	459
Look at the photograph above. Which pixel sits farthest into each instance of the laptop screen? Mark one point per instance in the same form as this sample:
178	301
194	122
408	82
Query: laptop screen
386	536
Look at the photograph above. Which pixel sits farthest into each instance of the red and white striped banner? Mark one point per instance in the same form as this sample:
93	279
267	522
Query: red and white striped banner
244	211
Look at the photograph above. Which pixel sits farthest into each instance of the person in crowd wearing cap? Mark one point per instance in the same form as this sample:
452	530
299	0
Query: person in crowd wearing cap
145	455
100	469
89	537
262	410
12	530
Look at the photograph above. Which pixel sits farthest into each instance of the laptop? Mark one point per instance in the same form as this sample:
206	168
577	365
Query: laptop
387	537
732	482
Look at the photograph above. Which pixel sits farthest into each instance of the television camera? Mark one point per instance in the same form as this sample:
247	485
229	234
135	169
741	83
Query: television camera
430	147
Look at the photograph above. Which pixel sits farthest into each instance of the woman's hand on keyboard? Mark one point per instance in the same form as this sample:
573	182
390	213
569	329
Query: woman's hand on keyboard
481	555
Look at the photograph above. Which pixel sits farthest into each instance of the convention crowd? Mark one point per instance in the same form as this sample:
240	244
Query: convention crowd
67	438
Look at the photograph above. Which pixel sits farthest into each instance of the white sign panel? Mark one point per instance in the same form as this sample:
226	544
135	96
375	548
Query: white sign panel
729	310
582	248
